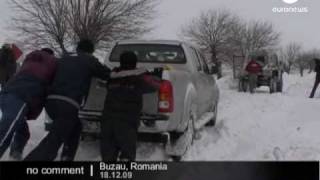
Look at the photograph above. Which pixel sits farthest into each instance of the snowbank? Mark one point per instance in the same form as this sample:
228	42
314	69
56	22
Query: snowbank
260	126
263	126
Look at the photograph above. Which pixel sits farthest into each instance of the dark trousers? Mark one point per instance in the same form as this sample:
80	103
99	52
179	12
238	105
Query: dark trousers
65	130
118	139
315	86
20	139
13	124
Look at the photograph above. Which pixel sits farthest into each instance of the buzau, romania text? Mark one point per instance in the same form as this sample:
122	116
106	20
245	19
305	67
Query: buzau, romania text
134	166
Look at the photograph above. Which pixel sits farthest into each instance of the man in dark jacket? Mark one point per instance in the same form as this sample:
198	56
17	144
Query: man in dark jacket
317	80
69	87
22	98
122	108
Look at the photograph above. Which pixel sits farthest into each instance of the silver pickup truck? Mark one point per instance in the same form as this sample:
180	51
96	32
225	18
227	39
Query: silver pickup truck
186	101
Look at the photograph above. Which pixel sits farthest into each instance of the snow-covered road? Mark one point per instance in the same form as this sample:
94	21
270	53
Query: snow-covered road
260	126
264	126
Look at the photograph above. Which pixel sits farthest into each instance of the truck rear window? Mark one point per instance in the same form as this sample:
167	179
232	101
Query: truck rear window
151	53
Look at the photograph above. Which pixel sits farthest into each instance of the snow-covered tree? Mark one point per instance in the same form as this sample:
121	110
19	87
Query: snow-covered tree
60	23
254	36
211	31
306	60
290	54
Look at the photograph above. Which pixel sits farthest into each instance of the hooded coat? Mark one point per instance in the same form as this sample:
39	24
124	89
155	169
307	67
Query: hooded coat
31	83
125	90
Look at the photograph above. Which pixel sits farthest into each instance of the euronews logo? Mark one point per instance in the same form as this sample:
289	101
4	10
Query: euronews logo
290	1
290	8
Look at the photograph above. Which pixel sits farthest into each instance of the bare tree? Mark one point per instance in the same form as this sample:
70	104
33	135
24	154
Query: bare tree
59	23
254	36
211	31
291	53
302	62
41	22
314	53
305	60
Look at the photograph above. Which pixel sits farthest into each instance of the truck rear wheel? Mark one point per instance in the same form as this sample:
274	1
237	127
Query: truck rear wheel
273	85
179	146
176	158
239	86
213	121
280	86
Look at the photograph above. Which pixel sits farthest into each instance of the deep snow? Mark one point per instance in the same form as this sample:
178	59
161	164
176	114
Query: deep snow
263	126
260	126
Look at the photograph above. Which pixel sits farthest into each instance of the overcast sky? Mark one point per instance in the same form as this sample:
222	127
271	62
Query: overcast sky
300	27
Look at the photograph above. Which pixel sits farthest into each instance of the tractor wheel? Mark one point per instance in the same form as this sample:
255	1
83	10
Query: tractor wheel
280	85
273	86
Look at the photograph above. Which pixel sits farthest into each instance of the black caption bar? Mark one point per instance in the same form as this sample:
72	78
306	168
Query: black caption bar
160	170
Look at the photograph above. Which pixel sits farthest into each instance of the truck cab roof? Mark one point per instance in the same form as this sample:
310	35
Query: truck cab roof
166	42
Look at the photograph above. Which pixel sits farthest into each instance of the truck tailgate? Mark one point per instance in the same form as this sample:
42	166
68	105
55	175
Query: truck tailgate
96	97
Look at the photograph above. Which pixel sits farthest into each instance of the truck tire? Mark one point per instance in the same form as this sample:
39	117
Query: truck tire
280	86
240	88
180	145
271	90
213	121
176	158
273	85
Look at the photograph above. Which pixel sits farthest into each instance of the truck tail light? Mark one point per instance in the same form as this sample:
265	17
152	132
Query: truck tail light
166	102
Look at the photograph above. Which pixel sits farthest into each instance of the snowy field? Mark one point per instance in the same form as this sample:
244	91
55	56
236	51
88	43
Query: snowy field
260	126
